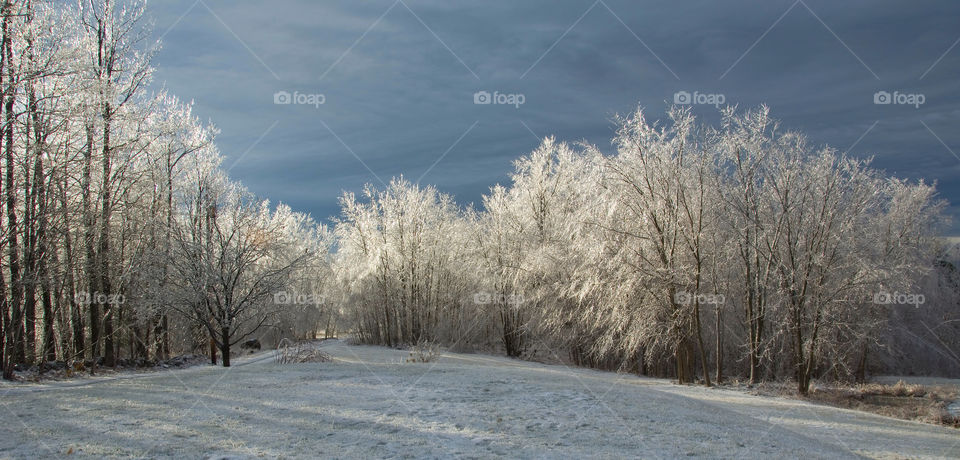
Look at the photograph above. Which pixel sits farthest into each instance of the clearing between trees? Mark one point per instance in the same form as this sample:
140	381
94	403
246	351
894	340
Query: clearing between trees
370	402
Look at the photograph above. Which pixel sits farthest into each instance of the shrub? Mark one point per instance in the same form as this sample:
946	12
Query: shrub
424	352
289	352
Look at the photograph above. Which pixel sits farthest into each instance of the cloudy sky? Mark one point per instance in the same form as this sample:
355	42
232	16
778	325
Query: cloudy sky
399	79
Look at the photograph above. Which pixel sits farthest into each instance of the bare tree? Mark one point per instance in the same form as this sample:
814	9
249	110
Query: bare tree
228	261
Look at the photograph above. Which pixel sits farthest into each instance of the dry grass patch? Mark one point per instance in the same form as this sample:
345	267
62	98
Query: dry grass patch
920	403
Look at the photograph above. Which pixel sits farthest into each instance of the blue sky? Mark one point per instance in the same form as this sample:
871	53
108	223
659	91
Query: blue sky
398	81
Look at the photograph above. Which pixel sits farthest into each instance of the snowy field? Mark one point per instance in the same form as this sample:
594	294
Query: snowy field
370	404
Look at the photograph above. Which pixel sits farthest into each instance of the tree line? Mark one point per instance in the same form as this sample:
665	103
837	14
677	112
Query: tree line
122	237
692	251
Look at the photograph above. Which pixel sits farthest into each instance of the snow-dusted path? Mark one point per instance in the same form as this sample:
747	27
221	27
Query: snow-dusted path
368	404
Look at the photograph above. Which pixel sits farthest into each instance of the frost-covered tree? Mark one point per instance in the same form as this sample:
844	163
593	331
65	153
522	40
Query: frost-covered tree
524	239
230	255
401	259
664	186
95	175
619	259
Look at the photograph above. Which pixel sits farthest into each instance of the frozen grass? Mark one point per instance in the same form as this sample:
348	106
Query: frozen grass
370	403
930	403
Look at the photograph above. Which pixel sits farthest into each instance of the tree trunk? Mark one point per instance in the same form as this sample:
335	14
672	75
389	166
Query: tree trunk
166	338
704	365
104	249
90	255
49	345
158	337
225	346
755	309
49	342
6	351
642	361
512	338
799	361
719	347
160	332
6	323
213	351
29	274
683	358
5	362
13	248
141	335
76	314
861	372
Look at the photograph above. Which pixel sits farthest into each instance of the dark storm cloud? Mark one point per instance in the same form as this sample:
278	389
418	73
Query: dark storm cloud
402	96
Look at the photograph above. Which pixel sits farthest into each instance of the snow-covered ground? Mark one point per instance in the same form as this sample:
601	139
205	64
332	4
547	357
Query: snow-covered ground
370	404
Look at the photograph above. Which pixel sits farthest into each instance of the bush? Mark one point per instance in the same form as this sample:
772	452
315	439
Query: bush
424	352
289	352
